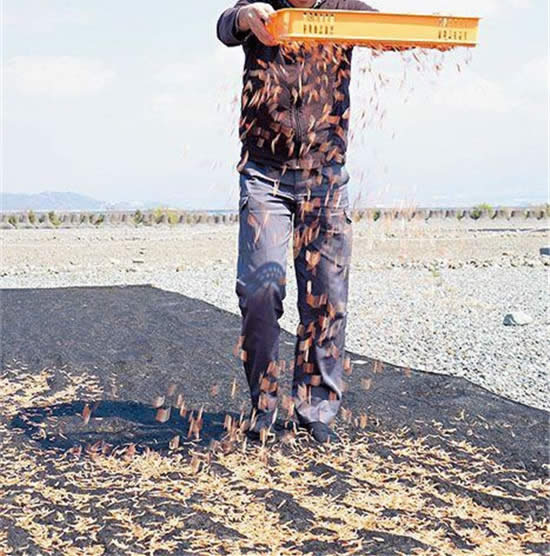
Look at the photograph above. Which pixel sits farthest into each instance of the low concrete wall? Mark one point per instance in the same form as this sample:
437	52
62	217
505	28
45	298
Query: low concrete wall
169	219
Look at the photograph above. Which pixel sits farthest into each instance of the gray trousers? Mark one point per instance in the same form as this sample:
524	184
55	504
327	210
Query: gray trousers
314	208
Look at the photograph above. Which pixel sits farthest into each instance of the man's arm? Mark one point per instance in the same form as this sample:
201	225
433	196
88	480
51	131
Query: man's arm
247	16
227	29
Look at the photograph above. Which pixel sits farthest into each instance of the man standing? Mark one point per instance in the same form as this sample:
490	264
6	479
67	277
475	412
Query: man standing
293	181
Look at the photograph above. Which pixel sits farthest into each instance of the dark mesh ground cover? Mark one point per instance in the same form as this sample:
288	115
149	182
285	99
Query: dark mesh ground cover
428	464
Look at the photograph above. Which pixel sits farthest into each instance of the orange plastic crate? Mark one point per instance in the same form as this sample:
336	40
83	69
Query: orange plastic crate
374	29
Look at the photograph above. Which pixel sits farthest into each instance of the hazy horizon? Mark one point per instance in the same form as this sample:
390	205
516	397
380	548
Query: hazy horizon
132	102
128	205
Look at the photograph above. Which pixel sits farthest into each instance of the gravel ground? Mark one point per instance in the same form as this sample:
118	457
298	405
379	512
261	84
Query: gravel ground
421	295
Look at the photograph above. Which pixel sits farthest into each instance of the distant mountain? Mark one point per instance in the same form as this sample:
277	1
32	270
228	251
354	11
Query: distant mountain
64	200
69	201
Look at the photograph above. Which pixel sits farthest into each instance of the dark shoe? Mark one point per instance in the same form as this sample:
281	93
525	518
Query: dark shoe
321	432
260	420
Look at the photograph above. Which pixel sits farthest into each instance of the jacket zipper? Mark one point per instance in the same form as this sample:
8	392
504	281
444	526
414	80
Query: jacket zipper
298	141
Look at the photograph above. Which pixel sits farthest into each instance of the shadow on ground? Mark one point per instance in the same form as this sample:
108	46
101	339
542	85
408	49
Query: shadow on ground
428	464
114	424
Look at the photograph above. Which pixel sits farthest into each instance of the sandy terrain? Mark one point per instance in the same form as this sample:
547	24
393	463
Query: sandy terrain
428	296
167	248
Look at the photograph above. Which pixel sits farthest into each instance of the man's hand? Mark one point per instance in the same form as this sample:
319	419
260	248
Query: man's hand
253	18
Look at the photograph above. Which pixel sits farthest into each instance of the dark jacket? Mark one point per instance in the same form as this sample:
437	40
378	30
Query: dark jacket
295	100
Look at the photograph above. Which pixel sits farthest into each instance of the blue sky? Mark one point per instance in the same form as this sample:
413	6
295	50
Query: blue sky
135	100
